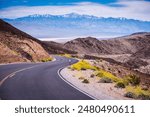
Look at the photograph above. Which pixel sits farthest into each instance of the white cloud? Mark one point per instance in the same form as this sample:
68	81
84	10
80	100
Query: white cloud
131	9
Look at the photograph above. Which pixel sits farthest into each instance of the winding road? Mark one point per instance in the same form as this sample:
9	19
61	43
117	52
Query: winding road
37	81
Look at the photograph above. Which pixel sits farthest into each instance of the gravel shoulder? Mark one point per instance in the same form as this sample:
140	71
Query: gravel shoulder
101	91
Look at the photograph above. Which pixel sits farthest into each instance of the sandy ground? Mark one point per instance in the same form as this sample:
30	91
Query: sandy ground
102	91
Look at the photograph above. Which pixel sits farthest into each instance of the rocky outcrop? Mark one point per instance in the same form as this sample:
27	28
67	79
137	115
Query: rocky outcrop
122	45
57	48
17	46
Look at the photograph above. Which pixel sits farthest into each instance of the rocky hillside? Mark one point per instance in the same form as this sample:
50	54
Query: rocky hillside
87	45
17	46
122	45
56	48
143	53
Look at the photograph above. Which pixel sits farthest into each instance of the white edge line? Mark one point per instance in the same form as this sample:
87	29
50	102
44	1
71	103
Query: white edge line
58	72
72	85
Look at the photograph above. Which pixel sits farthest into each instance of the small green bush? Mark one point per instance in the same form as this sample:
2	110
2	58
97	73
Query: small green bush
120	85
130	95
97	68
102	73
105	80
81	78
85	81
109	68
83	68
144	97
134	80
137	93
92	75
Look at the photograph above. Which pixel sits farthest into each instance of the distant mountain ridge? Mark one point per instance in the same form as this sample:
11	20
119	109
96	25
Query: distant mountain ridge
70	25
75	15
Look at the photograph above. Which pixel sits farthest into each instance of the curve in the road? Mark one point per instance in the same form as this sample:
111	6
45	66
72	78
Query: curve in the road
41	82
59	73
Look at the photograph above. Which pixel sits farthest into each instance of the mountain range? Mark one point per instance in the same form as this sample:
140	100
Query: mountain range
18	46
75	25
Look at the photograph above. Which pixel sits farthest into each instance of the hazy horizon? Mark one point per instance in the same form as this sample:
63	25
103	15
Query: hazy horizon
77	18
65	39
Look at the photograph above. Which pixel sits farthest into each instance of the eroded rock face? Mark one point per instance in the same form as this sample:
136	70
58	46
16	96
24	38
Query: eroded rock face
136	43
8	56
143	53
17	46
57	48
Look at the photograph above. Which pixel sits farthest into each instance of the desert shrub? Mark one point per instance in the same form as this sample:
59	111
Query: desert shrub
92	75
102	73
83	68
85	81
138	92
82	65
46	59
120	85
81	78
109	68
99	60
133	80
67	55
125	81
96	68
144	97
74	56
130	95
105	80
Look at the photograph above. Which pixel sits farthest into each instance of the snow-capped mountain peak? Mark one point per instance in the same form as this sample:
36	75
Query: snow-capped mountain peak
78	25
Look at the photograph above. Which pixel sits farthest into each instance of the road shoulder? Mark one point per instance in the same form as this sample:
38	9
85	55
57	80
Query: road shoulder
100	91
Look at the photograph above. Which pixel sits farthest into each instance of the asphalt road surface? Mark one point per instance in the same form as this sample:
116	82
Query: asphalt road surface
37	81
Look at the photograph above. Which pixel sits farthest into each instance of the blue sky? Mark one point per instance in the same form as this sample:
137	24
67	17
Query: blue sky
9	3
132	9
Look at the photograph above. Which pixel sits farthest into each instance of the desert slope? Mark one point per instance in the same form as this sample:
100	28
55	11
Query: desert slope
122	45
143	53
56	48
17	46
